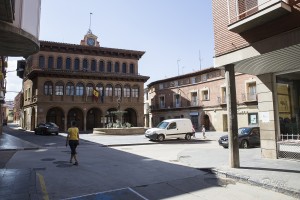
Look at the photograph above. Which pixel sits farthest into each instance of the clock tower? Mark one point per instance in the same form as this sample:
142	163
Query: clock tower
90	40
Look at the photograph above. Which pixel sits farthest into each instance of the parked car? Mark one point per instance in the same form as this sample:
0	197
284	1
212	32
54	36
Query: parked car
248	137
46	128
171	129
4	122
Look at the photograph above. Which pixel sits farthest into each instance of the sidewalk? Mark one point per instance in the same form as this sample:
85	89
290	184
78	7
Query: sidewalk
15	183
278	175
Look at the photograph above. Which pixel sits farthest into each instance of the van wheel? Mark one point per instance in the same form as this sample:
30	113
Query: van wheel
188	136
160	138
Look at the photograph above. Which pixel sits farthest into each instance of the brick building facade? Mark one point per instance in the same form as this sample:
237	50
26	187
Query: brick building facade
201	97
82	83
262	38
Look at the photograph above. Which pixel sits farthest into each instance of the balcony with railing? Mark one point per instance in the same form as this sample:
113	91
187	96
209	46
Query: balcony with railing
222	100
194	103
249	97
244	15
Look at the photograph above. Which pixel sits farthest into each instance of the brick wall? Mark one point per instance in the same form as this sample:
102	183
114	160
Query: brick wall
225	41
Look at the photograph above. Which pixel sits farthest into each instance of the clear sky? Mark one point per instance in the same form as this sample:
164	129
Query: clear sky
167	30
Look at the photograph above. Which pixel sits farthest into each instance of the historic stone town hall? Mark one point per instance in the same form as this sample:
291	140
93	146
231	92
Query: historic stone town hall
85	83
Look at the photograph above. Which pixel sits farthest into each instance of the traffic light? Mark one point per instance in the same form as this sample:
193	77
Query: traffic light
21	68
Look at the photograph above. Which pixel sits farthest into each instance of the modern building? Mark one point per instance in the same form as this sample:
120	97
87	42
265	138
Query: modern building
19	34
201	97
262	38
86	83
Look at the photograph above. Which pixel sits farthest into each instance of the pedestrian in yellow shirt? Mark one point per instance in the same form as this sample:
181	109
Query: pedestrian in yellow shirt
73	140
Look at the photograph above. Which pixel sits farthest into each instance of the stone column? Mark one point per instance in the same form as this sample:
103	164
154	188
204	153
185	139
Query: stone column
233	139
267	99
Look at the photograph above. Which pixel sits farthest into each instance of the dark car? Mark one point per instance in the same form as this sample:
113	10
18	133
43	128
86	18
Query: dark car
4	122
46	128
248	137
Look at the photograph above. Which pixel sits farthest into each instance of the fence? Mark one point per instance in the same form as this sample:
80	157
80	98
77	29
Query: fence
289	146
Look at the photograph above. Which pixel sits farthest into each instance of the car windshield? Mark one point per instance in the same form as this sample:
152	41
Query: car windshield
162	125
51	124
244	131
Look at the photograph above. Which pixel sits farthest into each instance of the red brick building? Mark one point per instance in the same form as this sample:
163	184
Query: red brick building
262	38
82	83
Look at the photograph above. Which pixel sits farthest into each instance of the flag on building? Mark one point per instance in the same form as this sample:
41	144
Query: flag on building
95	95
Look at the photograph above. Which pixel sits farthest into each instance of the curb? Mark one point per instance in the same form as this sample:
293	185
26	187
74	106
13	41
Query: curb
245	179
132	144
20	149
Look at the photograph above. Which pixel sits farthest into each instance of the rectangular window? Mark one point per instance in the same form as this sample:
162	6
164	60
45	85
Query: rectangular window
194	99
126	92
135	92
162	102
79	91
108	91
59	90
205	95
223	96
175	83
161	86
48	89
89	91
177	100
204	77
251	91
70	90
193	80
118	92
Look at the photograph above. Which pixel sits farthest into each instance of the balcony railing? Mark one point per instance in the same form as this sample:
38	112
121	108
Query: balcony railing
222	100
194	103
244	15
247	97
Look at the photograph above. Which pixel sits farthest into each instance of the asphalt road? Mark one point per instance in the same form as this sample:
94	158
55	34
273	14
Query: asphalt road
129	167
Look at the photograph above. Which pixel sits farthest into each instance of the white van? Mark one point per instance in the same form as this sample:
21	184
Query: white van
171	129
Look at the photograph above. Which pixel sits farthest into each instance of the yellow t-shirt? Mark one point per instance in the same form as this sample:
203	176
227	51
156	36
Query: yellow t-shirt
73	133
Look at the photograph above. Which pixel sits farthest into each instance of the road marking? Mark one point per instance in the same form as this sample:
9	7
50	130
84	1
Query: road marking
43	186
132	190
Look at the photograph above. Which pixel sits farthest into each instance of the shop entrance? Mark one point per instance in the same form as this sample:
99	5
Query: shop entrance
288	98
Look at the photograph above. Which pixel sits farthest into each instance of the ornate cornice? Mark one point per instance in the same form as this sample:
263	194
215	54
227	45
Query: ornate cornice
88	50
84	75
